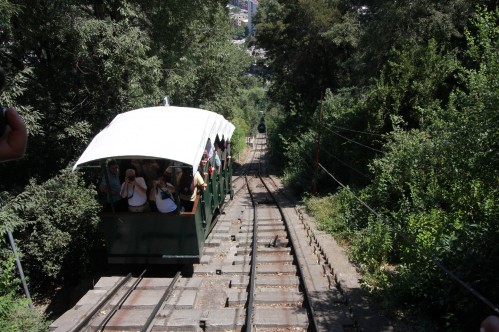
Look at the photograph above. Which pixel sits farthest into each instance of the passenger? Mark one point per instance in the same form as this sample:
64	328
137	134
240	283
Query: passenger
223	155
228	156
209	148
137	166
112	190
202	166
150	170
163	195
189	184
168	176
217	159
135	189
169	179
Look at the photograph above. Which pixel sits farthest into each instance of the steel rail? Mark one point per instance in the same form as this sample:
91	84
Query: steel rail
120	302
83	323
149	323
310	310
251	292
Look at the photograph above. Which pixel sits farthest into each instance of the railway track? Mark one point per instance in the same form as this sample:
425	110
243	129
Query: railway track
262	270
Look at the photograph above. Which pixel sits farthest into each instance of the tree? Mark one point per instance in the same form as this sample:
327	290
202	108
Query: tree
87	63
308	45
436	186
56	224
390	25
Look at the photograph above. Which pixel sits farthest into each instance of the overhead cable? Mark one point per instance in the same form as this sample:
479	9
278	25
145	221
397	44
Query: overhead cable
356	131
351	140
344	163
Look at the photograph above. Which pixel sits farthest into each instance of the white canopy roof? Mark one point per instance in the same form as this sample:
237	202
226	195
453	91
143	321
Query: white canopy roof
168	132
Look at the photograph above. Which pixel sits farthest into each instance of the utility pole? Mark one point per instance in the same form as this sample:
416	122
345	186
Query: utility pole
318	150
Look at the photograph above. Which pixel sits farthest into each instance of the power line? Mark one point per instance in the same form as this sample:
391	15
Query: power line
351	140
418	248
356	131
344	163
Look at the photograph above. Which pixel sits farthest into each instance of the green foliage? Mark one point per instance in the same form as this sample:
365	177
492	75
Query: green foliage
371	246
15	314
411	24
253	100
7	269
70	69
332	214
418	77
116	56
204	71
434	181
350	136
301	39
300	168
7	11
240	32
59	229
238	141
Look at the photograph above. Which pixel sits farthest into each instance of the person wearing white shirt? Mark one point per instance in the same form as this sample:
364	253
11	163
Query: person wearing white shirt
135	190
162	193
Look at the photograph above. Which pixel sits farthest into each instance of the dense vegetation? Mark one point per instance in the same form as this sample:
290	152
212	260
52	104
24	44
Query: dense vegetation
71	67
404	97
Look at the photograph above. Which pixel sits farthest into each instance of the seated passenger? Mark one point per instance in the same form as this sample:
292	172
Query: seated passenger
162	193
135	189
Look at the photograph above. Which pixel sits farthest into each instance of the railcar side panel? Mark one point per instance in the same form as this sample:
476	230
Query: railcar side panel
153	238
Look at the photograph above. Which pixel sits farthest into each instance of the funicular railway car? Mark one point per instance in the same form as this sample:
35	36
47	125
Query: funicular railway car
261	126
178	137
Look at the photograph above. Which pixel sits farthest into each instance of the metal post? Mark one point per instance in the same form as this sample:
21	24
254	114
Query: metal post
108	184
20	268
317	154
237	144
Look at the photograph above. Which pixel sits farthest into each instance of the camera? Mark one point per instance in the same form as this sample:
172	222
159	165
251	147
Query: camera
165	195
131	178
3	121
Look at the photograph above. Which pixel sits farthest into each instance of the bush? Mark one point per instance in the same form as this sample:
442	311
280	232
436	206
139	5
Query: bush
15	314
238	140
58	233
438	185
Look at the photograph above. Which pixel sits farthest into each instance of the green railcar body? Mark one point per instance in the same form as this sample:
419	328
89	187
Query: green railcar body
157	238
153	237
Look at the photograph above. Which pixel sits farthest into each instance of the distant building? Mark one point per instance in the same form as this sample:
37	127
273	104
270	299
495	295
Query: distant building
240	19
252	6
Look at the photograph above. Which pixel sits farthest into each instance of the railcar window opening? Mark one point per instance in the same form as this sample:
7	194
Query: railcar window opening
138	165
